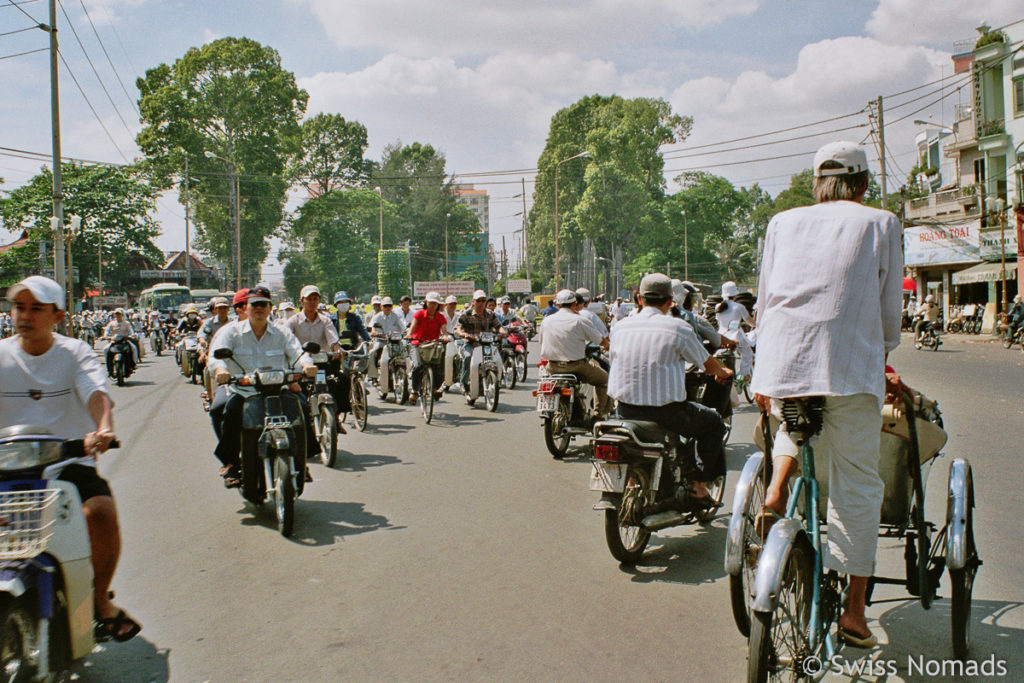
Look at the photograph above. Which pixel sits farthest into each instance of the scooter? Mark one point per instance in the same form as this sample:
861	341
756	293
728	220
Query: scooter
565	404
322	406
516	344
485	370
120	362
46	591
189	355
273	439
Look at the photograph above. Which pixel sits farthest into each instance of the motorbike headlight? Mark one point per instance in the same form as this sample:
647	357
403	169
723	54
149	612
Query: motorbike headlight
270	377
487	337
19	455
319	358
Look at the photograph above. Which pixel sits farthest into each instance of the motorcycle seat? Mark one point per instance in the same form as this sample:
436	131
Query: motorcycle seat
651	432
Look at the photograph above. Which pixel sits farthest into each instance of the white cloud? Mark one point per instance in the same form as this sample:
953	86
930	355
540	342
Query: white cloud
107	11
935	22
451	28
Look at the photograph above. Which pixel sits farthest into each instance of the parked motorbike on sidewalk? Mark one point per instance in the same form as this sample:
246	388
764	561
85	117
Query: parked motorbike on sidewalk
645	475
273	454
394	369
565	404
484	370
120	361
46	591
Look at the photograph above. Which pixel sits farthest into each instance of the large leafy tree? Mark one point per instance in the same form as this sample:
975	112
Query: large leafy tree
612	195
412	177
330	155
116	205
232	110
332	242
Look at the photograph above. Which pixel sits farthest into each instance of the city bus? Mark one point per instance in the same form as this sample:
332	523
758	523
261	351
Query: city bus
166	297
201	296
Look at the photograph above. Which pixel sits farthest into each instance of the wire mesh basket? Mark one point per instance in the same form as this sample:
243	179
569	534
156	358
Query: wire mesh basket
354	362
26	522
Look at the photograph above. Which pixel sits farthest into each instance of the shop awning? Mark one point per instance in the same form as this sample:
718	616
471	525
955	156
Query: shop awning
909	285
985	272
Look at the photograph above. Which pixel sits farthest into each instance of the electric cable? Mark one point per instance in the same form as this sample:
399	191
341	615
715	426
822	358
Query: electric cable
106	54
91	108
27	52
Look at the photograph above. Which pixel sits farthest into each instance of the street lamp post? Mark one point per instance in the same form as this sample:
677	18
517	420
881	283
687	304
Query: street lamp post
558	270
686	249
381	195
447	274
188	248
236	205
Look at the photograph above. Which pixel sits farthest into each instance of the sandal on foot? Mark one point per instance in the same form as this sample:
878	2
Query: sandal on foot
764	521
232	477
854	640
705	502
112	627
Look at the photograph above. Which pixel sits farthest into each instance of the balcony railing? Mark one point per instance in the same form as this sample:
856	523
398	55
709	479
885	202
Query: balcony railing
962	112
963	47
959	200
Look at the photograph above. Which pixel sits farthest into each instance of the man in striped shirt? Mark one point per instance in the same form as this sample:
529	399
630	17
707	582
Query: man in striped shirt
649	352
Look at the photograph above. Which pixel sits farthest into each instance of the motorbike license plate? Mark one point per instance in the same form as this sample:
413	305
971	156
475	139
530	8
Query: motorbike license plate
321	377
487	350
546	402
608	477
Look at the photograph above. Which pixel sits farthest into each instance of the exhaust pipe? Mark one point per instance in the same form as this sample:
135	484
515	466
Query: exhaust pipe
663	520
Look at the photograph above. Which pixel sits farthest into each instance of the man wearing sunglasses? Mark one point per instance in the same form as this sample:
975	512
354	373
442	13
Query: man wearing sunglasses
254	343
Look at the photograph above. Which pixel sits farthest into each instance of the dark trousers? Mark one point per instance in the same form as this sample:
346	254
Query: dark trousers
340	387
230	438
691	420
220	397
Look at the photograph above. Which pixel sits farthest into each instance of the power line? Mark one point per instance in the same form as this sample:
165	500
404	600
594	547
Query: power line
91	108
764	144
775	132
93	67
930	104
28	52
107	55
19	30
17	6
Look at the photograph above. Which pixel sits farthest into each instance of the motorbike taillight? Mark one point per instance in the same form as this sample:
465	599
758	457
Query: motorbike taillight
546	388
604	451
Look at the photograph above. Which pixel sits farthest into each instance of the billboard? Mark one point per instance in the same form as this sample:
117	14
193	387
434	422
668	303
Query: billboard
456	287
940	244
519	287
109	301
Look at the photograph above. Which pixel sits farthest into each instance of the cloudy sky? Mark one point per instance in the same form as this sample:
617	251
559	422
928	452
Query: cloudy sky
480	80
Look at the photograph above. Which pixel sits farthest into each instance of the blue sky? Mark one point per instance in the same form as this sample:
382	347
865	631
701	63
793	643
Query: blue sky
480	80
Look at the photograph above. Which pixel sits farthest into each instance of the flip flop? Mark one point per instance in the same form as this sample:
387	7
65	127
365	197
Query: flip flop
232	477
854	640
764	521
111	627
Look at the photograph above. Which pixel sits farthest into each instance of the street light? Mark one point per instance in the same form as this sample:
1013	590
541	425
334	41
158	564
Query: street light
686	248
446	263
381	195
236	205
582	155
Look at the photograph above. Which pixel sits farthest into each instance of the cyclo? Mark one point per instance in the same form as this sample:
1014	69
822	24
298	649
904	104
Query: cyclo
782	597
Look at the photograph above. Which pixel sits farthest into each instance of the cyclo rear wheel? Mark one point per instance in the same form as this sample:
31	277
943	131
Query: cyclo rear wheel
779	644
962	581
626	538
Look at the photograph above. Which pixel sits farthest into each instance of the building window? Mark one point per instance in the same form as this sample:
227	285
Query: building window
1018	96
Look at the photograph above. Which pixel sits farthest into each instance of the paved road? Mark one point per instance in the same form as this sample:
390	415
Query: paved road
444	553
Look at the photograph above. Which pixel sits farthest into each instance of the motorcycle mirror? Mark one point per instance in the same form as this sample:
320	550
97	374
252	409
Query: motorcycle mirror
222	353
311	347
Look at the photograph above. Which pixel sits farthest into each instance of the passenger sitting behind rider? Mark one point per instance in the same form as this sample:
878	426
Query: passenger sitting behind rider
471	323
563	342
255	343
649	352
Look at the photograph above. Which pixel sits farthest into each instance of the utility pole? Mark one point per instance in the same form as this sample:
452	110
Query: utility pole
58	183
504	263
881	151
686	249
526	238
447	267
188	249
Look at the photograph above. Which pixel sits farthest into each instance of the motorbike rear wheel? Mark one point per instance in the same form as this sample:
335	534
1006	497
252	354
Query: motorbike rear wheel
490	381
626	538
119	371
284	495
326	424
778	642
1007	339
426	392
521	366
556	436
359	406
508	375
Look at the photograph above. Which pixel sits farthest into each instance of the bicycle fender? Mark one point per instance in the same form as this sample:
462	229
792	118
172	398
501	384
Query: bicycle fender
740	502
784	534
960	494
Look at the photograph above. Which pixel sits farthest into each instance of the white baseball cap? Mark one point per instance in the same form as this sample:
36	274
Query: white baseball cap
375	299
479	294
43	289
451	299
309	289
585	293
565	296
434	296
287	306
386	301
850	155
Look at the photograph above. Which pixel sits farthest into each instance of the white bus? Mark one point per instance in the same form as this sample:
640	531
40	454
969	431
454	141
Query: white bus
166	297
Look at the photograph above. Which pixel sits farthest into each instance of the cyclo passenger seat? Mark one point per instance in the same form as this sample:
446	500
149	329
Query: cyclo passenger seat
804	417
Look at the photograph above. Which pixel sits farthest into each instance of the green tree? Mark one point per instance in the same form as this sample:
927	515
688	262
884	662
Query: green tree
232	110
331	154
799	192
412	178
613	196
116	205
332	242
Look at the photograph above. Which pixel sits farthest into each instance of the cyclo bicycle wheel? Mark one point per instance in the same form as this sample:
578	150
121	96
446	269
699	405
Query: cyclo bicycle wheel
779	645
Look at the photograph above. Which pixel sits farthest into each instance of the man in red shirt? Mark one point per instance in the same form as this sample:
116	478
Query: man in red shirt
428	324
